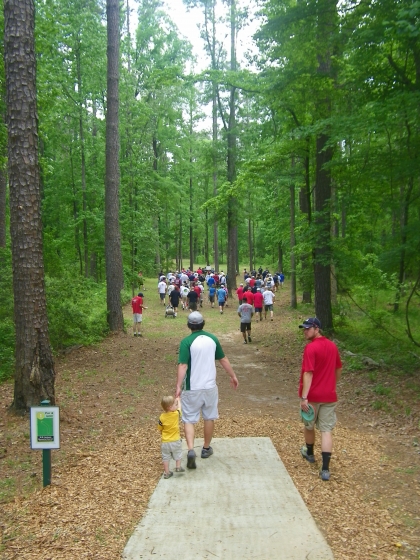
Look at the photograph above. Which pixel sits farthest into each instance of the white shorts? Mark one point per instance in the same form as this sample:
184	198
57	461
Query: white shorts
137	317
171	449
205	400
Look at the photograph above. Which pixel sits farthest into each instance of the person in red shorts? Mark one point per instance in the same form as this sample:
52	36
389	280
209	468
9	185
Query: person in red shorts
258	304
137	305
321	369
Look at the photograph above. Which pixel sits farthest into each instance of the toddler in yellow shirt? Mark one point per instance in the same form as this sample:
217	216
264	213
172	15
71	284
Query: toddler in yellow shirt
171	439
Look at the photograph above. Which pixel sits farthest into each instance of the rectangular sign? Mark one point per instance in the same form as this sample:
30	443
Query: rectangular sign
45	427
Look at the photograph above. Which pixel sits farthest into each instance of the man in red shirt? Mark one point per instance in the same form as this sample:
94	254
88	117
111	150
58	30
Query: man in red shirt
321	369
137	305
248	295
239	293
258	304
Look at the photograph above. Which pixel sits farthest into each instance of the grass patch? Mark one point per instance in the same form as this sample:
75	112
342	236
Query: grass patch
7	489
381	390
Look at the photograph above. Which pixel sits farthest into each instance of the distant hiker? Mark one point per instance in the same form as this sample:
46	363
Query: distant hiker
162	290
281	279
212	293
196	383
321	369
184	293
268	302
258	304
137	305
174	298
239	293
221	299
192	298
245	312
171	445
140	280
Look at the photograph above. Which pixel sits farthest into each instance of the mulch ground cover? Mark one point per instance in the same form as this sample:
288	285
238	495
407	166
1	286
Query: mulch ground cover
109	461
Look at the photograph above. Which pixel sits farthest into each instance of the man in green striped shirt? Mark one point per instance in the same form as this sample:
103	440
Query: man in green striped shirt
196	383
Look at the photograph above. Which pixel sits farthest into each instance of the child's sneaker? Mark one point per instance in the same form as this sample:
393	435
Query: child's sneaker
168	475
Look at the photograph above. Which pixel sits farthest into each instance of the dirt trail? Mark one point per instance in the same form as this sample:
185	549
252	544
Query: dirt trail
109	462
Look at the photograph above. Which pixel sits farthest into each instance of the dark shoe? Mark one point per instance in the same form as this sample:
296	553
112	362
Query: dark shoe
304	453
325	475
249	339
179	469
170	473
191	459
205	453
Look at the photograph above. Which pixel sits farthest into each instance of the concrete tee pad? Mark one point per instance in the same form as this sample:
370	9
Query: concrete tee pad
240	503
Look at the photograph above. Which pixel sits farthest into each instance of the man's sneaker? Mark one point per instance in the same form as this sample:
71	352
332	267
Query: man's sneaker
179	469
191	459
325	475
205	453
304	453
245	342
249	339
168	475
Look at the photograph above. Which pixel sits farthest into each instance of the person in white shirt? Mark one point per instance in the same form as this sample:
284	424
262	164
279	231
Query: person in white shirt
268	302
162	291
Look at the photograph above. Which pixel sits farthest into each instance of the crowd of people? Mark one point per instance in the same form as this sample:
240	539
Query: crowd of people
196	390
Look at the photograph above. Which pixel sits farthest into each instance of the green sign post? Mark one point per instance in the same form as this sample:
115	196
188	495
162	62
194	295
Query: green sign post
45	434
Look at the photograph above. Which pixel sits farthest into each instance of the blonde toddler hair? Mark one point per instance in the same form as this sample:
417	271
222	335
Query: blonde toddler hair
167	402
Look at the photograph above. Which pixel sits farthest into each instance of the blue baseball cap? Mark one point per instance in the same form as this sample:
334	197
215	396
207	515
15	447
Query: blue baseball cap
311	322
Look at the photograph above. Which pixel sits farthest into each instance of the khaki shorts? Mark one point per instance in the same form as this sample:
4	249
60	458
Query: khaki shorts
171	449
204	400
325	417
137	317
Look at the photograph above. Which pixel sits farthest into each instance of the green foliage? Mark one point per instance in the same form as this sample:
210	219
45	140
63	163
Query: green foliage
7	329
379	333
76	311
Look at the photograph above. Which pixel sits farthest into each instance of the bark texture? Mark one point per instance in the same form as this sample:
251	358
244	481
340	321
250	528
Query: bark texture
34	370
113	256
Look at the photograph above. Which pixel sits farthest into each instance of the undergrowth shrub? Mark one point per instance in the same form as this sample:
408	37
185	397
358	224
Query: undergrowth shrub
76	311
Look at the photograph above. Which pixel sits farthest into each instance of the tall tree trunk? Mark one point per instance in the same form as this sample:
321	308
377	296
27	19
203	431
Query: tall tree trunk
156	219
76	215
191	192
3	190
293	297
232	217
322	264
305	204
34	369
326	30
280	257
113	256
403	225
82	163
212	45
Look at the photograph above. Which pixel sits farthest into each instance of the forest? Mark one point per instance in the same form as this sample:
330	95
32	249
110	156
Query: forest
300	154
